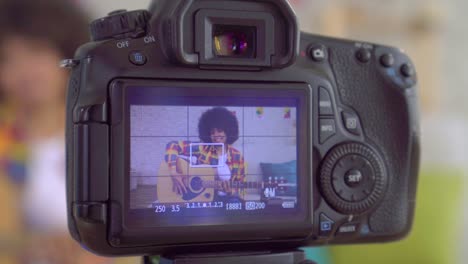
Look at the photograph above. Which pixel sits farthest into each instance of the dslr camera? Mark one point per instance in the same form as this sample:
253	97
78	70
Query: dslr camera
217	126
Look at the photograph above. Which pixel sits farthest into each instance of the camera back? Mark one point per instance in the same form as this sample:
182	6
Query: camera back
201	124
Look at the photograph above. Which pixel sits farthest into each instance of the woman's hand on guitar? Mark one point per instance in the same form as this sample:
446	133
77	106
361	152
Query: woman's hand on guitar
226	186
180	183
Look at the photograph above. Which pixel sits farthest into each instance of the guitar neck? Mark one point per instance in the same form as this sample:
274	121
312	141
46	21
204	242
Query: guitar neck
235	184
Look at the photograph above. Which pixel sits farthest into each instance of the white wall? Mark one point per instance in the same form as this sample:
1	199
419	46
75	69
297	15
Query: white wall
100	8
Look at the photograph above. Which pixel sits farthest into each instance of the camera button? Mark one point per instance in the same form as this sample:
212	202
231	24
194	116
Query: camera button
363	55
407	70
348	229
326	225
352	123
387	60
325	103
353	178
327	129
137	58
318	53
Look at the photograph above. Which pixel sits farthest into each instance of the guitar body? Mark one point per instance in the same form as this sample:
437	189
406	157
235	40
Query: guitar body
203	183
196	191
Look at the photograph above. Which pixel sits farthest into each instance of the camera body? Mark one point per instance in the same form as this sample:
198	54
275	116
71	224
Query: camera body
345	111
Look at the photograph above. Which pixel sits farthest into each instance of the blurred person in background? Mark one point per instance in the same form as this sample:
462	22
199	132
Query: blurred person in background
34	37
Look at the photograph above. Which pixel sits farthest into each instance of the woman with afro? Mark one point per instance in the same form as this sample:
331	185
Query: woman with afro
221	127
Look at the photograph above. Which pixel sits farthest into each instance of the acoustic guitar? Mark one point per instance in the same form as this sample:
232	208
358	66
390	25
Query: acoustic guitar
202	184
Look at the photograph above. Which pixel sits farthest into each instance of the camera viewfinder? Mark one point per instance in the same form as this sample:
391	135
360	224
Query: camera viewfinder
234	41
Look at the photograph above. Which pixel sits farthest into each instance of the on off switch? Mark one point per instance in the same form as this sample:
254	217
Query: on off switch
120	23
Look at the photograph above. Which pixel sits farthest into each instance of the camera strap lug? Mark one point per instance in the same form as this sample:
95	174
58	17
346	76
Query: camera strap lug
69	63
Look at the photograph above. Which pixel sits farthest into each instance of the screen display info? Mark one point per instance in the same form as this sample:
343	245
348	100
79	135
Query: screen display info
212	159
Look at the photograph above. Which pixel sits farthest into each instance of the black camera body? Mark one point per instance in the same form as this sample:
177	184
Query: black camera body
344	113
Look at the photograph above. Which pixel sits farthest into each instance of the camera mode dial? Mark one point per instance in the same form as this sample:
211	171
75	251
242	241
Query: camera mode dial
353	178
120	23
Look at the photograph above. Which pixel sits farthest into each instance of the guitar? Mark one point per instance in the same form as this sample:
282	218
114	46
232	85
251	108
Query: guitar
202	184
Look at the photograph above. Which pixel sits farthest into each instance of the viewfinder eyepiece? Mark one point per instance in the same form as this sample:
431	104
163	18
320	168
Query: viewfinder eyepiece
234	41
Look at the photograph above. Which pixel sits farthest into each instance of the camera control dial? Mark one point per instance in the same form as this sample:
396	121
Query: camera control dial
353	178
120	24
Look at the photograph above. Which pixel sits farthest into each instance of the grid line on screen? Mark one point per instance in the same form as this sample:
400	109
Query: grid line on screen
246	136
188	124
247	175
243	133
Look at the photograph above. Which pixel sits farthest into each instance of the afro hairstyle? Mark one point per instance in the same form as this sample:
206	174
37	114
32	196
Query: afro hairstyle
220	118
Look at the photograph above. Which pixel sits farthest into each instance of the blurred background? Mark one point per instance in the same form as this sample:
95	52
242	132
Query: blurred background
32	195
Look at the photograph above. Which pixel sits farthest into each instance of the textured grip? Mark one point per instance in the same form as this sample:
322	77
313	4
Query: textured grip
384	112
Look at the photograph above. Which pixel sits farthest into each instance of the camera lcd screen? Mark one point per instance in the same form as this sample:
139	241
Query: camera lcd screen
210	159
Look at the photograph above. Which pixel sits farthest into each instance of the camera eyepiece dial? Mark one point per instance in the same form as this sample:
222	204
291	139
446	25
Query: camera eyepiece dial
353	178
